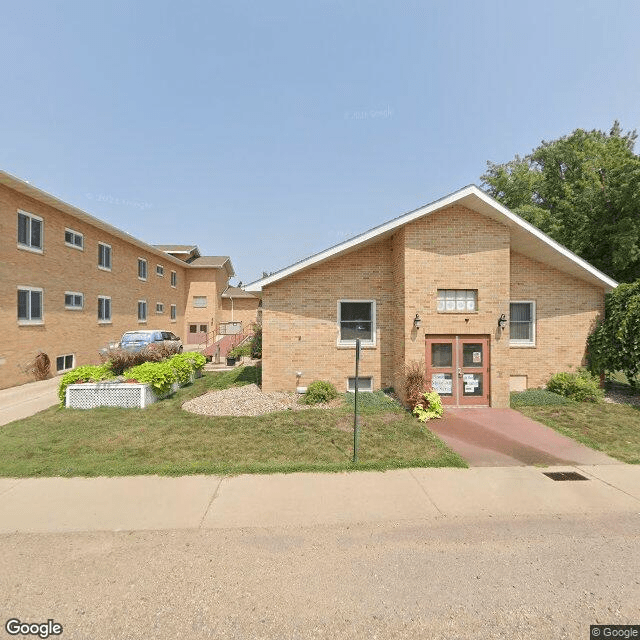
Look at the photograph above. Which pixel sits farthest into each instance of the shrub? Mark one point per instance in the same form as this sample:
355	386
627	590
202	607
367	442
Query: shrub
41	366
430	407
87	373
197	359
537	398
241	350
160	375
256	342
414	383
183	367
319	391
580	386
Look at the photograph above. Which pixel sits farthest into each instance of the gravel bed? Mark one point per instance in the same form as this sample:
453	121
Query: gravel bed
616	397
248	400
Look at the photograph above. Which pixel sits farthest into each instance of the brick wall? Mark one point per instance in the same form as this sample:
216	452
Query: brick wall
245	310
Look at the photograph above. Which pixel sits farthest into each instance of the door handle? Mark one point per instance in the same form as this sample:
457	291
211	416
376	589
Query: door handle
459	372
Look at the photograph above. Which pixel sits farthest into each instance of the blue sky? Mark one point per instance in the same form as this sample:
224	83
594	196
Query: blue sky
270	131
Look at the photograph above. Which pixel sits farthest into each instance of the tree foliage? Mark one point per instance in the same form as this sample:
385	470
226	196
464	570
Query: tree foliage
583	190
615	344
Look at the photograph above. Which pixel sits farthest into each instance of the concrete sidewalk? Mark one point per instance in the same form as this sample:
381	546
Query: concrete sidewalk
28	399
309	499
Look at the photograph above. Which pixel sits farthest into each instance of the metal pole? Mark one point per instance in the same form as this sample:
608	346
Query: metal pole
356	425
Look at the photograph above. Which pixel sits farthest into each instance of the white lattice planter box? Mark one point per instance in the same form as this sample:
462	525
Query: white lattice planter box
128	395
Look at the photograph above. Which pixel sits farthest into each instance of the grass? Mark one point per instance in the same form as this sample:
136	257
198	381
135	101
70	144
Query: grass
613	429
163	439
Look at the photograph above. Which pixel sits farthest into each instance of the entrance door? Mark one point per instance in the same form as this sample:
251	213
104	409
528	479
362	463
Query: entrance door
457	368
197	333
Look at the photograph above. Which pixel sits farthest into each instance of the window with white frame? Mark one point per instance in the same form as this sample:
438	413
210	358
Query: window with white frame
357	319
174	279
30	232
104	256
64	363
142	310
457	300
174	311
73	239
364	384
199	301
522	323
160	270
104	309
142	269
159	307
73	300
30	305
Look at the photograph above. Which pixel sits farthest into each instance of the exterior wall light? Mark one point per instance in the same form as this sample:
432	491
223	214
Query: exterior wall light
417	322
502	321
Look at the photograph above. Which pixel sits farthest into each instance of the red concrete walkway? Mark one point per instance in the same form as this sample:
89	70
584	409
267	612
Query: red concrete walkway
504	437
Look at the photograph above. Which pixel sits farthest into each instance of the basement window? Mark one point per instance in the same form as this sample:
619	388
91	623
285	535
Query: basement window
364	384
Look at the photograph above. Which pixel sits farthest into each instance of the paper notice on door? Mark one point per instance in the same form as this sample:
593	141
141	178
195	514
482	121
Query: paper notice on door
437	376
477	357
441	385
469	388
468	377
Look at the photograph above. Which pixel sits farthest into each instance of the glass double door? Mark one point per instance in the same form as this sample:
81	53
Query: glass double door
457	367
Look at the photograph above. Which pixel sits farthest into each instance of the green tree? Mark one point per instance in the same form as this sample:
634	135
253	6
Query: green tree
583	190
615	344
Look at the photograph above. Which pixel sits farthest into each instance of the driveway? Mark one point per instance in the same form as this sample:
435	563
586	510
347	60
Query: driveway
504	437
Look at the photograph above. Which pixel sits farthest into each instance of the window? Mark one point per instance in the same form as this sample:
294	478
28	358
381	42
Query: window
160	270
200	301
357	319
159	307
73	300
142	269
30	232
174	311
30	305
457	300
522	323
73	239
364	384
142	310
104	309
104	256
174	279
64	363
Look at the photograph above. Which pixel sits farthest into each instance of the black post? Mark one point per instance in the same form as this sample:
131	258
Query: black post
356	426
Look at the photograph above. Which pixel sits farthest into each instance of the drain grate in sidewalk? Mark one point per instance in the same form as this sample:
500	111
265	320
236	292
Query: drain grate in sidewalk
559	476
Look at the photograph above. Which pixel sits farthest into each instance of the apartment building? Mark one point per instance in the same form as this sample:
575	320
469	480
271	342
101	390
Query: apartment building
70	284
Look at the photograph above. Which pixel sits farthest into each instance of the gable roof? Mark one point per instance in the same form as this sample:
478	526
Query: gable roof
236	292
177	248
525	239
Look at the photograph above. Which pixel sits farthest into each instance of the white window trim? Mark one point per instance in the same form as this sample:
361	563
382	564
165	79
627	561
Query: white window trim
161	305
105	321
39	320
524	344
104	244
71	245
359	389
146	312
146	268
176	279
370	344
173	306
160	275
28	247
74	308
64	355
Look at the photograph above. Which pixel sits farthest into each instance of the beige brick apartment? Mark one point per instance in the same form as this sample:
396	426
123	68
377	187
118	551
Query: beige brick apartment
70	284
486	301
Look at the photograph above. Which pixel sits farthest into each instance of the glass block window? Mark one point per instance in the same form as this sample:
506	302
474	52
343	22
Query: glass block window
200	301
457	300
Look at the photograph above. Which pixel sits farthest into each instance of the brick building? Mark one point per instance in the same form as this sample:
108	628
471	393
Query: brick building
485	300
70	284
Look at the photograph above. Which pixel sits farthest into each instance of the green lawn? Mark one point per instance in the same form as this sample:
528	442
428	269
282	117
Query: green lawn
613	429
164	439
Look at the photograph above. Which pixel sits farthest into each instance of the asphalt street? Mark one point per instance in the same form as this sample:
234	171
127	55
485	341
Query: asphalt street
538	576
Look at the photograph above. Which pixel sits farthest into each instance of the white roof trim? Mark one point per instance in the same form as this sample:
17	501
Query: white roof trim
390	226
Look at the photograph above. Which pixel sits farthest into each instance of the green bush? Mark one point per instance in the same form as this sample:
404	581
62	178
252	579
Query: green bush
183	367
580	386
160	375
197	359
319	391
430	407
87	373
256	342
241	350
537	398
